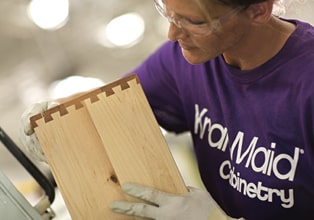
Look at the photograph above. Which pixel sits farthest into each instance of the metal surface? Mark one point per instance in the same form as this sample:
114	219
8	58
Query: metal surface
13	206
41	179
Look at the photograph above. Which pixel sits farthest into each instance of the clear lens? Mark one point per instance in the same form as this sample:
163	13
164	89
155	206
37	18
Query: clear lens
160	7
183	23
200	30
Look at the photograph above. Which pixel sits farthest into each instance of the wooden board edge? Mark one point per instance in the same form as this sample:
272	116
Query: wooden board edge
78	101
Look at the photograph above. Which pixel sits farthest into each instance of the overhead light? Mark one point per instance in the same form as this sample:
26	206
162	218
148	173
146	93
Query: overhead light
123	31
72	85
49	14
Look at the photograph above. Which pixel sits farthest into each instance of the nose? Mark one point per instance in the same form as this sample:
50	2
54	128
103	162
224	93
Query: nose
175	33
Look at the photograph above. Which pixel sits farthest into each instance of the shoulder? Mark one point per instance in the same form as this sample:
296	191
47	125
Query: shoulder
303	37
304	28
168	55
166	58
297	56
167	66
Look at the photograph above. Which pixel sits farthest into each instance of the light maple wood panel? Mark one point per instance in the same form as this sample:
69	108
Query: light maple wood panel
133	140
100	140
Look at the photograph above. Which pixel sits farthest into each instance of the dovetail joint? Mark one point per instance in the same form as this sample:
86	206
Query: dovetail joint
78	102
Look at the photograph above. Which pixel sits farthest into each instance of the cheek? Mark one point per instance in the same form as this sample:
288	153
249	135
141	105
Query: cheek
218	43
210	47
200	55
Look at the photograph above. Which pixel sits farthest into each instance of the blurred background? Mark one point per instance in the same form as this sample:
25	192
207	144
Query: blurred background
52	48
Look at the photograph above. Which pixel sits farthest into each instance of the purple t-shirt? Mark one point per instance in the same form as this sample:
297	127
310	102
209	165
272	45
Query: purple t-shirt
253	131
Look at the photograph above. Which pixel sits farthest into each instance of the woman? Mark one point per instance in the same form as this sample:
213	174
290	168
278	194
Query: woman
240	80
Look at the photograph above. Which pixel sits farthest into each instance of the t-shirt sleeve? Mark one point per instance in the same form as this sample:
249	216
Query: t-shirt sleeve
157	77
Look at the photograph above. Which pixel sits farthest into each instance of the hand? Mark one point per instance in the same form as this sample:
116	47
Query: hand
26	133
196	204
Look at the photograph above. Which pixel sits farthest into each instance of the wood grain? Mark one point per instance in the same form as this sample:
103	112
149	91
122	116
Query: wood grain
100	140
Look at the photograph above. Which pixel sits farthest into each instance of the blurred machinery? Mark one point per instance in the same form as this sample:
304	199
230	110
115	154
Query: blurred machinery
13	205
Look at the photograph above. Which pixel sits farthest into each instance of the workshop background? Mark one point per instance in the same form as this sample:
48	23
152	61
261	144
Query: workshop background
49	46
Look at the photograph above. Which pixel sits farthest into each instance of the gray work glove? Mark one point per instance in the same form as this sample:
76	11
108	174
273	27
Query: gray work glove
196	204
26	133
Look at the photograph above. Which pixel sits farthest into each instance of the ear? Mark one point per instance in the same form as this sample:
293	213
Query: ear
260	12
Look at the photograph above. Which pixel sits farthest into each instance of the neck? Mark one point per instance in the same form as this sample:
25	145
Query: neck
260	44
